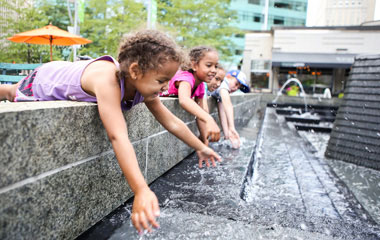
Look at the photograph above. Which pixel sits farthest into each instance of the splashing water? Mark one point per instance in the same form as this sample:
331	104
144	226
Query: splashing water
303	94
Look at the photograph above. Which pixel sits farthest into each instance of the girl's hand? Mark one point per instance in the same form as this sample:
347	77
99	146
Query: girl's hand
207	154
234	138
145	210
213	131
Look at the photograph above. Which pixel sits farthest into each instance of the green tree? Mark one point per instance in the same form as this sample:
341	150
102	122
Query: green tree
200	22
105	23
206	22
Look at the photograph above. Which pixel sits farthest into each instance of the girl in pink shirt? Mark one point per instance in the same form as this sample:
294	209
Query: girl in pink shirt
188	85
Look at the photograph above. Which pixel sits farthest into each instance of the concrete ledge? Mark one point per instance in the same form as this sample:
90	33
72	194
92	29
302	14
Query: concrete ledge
58	172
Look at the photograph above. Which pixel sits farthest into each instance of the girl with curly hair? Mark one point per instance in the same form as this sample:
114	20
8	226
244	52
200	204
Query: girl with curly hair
146	62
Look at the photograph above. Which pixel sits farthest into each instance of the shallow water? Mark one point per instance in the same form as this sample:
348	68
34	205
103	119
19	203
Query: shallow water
276	186
363	182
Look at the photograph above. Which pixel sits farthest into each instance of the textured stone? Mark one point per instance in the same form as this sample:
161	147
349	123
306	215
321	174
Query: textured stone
58	172
355	137
63	204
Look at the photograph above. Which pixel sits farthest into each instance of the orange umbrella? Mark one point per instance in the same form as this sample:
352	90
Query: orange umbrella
49	35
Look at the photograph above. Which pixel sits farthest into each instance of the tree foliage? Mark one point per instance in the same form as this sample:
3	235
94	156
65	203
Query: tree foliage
200	22
106	22
191	22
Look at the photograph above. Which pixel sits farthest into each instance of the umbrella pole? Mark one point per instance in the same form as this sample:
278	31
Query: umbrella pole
51	48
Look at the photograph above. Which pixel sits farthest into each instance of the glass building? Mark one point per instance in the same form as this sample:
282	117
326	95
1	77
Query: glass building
256	15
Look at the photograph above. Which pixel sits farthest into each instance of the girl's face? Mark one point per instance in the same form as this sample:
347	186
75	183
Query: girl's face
153	82
216	81
205	69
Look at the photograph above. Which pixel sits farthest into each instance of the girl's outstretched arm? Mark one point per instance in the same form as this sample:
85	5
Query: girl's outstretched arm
180	130
104	85
229	112
184	97
202	102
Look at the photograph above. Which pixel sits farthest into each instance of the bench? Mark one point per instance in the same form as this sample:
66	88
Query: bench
13	73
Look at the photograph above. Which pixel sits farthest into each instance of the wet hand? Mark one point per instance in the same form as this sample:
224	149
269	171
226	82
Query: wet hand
206	155
213	131
234	138
145	210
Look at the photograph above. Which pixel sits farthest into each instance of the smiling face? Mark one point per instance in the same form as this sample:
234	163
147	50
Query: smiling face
205	70
233	83
216	81
153	82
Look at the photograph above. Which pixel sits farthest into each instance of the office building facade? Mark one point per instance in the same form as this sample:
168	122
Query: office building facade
342	12
256	15
320	57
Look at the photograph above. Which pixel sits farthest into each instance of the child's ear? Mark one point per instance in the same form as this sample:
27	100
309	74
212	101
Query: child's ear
134	70
194	66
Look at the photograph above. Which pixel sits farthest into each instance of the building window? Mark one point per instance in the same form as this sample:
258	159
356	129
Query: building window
246	16
278	21
238	52
256	2
282	5
290	5
259	80
257	18
260	65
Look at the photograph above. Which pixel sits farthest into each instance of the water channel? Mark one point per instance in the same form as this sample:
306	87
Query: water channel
278	185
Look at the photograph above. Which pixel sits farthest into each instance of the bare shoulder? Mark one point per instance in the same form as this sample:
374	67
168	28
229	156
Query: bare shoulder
100	70
99	73
101	67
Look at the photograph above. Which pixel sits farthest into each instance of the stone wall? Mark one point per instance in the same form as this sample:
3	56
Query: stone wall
58	172
356	133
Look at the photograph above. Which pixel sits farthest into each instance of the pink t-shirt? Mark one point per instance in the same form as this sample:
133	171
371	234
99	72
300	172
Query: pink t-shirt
187	77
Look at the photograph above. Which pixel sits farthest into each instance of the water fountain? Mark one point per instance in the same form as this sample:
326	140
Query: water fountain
303	94
270	188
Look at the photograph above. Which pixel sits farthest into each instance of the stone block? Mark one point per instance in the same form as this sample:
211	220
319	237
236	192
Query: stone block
355	136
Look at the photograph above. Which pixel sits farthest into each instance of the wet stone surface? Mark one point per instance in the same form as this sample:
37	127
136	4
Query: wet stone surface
287	193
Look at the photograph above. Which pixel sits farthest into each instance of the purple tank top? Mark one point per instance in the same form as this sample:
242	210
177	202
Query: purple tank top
60	80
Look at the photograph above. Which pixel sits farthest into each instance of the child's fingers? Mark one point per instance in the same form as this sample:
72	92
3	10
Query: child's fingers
217	136
156	208
200	163
135	222
144	222
207	163
213	162
216	156
151	218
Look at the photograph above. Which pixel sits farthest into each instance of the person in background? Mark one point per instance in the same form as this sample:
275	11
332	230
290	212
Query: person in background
215	82
233	81
146	62
209	88
188	85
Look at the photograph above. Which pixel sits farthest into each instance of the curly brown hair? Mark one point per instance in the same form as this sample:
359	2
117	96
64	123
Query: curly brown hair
195	55
150	49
